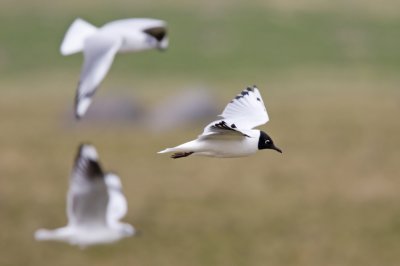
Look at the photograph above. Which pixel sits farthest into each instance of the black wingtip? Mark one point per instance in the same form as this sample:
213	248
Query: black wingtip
76	114
78	117
86	164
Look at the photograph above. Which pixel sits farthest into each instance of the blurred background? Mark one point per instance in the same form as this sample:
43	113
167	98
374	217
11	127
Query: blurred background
329	75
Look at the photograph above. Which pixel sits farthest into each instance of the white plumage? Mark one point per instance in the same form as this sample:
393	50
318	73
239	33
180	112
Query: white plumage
95	205
100	45
232	135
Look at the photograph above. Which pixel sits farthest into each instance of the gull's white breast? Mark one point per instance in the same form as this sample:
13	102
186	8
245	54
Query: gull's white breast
227	147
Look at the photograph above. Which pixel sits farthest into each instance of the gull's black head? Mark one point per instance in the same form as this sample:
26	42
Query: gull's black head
265	142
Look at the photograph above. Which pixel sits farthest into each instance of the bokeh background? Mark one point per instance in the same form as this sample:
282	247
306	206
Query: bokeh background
329	75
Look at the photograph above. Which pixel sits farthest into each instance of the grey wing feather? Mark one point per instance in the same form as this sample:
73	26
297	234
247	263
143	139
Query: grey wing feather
88	196
117	205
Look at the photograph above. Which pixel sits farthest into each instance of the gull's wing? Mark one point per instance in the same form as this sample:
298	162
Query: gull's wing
220	128
99	53
246	110
243	113
117	205
136	24
88	195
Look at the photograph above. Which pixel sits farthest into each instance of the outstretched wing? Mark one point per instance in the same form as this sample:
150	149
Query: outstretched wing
117	205
246	110
243	113
99	53
87	196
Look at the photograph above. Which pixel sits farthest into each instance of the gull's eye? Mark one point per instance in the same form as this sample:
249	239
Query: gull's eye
267	141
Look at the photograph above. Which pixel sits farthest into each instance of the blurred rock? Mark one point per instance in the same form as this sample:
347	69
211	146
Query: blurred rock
188	107
112	108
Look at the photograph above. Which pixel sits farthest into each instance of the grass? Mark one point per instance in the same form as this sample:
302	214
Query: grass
330	82
250	41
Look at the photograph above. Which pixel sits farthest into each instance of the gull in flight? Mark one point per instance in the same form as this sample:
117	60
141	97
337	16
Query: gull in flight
232	135
95	205
100	45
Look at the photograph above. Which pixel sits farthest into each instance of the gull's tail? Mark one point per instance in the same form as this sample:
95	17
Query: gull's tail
60	234
188	147
43	234
75	37
167	150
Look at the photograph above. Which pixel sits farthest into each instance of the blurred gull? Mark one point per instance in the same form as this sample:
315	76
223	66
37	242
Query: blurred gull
95	204
233	135
99	46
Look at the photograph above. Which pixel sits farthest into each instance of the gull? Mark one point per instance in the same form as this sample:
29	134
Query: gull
95	205
100	45
232	135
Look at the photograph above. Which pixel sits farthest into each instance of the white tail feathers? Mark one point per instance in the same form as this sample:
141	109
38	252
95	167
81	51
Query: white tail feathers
43	235
166	150
75	36
59	234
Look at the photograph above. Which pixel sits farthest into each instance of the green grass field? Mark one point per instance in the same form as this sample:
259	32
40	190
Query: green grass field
329	75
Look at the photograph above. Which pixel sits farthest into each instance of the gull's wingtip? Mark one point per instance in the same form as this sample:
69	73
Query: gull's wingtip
88	151
78	116
81	107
